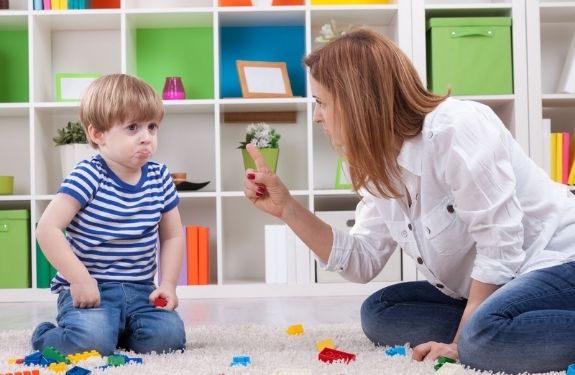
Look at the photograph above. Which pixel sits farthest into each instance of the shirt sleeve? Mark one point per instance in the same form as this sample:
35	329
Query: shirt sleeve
474	155
82	183
361	254
171	197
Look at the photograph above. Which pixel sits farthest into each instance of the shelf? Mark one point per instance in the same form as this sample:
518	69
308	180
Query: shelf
558	100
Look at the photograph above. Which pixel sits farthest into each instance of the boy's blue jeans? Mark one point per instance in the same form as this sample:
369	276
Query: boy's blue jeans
527	325
124	319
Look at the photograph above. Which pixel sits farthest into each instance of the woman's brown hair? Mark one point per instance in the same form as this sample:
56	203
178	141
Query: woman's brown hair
379	102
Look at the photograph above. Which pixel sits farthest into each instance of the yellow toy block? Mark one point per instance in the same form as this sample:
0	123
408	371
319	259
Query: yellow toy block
58	367
295	329
325	343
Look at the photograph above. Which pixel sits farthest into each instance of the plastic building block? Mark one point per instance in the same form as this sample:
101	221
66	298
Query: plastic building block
396	350
330	355
134	360
117	360
451	369
54	355
77	357
571	369
241	360
58	367
35	358
295	329
441	360
160	302
78	371
291	371
325	343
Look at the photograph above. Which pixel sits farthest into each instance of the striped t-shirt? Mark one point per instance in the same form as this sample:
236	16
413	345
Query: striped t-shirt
115	233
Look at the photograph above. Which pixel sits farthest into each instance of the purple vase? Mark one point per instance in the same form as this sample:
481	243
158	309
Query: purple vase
173	89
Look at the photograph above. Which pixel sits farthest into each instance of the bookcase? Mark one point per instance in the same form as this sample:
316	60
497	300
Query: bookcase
550	28
199	41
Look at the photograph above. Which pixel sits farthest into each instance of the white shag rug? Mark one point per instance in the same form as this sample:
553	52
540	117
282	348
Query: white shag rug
210	350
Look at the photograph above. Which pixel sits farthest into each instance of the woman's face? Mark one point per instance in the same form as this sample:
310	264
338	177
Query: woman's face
324	110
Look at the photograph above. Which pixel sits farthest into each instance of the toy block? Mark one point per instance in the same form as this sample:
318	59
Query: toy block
35	372
451	369
134	360
441	360
160	302
77	357
241	360
54	355
325	343
35	358
291	371
330	355
295	329
57	366
116	360
396	350
78	371
571	369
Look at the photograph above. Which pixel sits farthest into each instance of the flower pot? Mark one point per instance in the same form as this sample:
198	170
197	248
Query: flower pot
6	185
270	156
72	154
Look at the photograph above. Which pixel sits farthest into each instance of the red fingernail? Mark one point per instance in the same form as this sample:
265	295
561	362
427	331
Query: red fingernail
261	189
259	194
251	176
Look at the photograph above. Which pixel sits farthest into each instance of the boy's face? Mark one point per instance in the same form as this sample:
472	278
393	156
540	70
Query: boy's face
129	144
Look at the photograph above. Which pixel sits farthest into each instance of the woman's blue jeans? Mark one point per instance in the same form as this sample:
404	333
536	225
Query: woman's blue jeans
124	319
527	325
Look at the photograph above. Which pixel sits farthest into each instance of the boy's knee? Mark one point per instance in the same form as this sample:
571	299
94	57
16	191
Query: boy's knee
163	335
93	329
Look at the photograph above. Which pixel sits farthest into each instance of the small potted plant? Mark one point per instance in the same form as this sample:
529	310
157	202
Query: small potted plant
73	145
266	139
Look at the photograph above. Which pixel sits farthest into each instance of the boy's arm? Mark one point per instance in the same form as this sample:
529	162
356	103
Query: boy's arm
50	235
171	256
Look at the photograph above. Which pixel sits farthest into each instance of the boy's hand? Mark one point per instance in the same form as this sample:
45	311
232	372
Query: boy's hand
168	294
85	295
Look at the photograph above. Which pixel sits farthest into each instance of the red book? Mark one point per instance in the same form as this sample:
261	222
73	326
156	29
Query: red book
204	255
105	4
192	254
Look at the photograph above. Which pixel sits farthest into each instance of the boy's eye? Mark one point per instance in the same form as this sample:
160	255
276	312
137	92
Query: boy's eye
153	126
133	127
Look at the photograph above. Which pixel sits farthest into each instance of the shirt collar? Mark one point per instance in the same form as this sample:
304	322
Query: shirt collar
410	155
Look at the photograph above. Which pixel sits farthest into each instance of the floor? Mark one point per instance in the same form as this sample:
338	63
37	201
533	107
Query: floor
280	311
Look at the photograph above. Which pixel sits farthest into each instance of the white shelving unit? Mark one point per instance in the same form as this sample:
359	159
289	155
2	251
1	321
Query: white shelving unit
550	26
194	137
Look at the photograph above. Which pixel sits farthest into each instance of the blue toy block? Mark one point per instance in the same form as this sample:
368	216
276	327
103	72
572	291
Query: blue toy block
241	360
396	350
571	369
76	370
35	358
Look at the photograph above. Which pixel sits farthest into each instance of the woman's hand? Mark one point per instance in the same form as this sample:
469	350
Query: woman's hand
263	188
431	350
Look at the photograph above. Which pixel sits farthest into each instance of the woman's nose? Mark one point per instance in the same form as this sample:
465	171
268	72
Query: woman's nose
317	116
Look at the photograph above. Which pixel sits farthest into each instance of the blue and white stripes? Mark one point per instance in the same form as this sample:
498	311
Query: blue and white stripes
115	233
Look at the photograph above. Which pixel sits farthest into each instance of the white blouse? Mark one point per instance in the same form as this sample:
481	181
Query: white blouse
480	208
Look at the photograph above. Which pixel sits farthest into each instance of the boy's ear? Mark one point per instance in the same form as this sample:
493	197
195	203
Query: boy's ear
95	135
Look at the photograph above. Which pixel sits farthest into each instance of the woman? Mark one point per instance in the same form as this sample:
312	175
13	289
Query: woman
444	179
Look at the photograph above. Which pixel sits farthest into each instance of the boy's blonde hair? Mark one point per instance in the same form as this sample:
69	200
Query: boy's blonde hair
117	98
379	101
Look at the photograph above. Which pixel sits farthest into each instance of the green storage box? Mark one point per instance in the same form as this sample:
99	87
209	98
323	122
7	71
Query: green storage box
15	249
472	55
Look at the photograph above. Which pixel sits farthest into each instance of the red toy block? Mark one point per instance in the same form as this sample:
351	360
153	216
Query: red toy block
160	302
329	355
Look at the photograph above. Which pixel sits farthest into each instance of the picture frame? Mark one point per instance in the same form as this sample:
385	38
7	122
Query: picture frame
342	175
261	79
70	87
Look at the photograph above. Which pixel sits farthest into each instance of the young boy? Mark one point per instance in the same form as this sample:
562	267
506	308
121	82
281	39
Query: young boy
113	208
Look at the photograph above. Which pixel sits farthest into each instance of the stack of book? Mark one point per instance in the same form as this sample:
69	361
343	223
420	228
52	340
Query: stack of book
562	167
75	4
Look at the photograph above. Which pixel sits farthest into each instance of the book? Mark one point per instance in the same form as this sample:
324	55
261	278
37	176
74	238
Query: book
183	277
546	130
38	5
47	4
566	157
553	156
566	83
192	254
203	255
275	254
